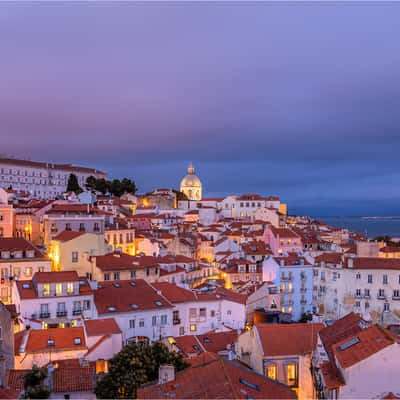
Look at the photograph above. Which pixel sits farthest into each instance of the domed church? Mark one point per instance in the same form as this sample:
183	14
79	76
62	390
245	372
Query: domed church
191	184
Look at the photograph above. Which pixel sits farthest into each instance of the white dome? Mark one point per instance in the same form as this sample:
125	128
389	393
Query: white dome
191	181
191	184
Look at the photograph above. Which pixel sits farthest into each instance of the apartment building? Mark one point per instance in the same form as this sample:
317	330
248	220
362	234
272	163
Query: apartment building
53	299
19	260
40	179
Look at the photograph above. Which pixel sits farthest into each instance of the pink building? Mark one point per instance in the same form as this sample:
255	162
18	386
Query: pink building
282	240
7	220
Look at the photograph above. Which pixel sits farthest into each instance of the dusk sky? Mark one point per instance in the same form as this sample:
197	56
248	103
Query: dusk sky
299	100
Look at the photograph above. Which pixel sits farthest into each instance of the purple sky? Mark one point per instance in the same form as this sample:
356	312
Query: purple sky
299	100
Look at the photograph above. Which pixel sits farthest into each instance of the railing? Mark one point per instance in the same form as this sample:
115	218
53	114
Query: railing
61	313
176	321
76	312
303	301
303	289
286	278
381	297
358	296
45	315
367	296
395	297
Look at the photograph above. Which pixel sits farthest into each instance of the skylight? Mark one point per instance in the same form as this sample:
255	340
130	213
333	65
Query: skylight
132	283
26	285
117	285
111	308
77	340
50	342
249	384
134	306
348	344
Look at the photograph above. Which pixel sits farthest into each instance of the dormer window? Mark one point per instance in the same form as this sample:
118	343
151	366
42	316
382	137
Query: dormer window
30	254
26	286
70	287
77	341
17	254
5	254
51	342
158	303
111	309
46	289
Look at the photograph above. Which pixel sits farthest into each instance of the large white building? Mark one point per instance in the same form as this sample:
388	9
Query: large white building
42	180
191	184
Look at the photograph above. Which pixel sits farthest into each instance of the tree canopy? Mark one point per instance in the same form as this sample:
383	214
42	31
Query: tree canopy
135	365
34	384
115	187
73	184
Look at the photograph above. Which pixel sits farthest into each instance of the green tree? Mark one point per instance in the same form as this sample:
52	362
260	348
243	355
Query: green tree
102	186
135	365
128	186
91	183
73	185
34	384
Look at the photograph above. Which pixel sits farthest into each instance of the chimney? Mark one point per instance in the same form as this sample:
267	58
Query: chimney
166	373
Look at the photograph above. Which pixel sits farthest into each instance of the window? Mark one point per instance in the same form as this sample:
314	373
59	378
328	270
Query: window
58	289
229	312
107	276
74	256
77	341
291	374
366	293
46	289
116	276
370	278
141	323
193	328
212	313
203	313
68	226
358	292
358	275
86	304
163	320
131	324
82	227
396	293
386	307
271	371
154	320
192	313
28	271
77	306
385	279
358	304
70	287
366	305
133	274
96	227
181	331
381	293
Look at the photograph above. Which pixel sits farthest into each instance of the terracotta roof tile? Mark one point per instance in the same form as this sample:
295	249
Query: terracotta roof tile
66	236
288	339
103	326
218	379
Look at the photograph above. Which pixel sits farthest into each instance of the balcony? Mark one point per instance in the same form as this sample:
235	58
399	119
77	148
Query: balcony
395	297
76	312
303	289
286	278
303	301
176	321
44	315
381	297
358	295
61	313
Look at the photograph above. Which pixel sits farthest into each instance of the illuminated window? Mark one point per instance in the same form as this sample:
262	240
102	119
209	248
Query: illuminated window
70	287
73	323
283	309
46	289
193	327
291	374
271	371
58	289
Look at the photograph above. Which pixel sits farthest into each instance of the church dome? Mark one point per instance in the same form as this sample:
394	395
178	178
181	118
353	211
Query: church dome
191	184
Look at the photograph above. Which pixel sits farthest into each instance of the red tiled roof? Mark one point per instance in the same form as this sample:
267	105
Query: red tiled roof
78	379
216	380
390	249
15	378
102	326
63	339
55	277
127	296
370	341
288	339
218	341
331	375
284	232
39	164
374	263
18	244
174	293
65	236
330	258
